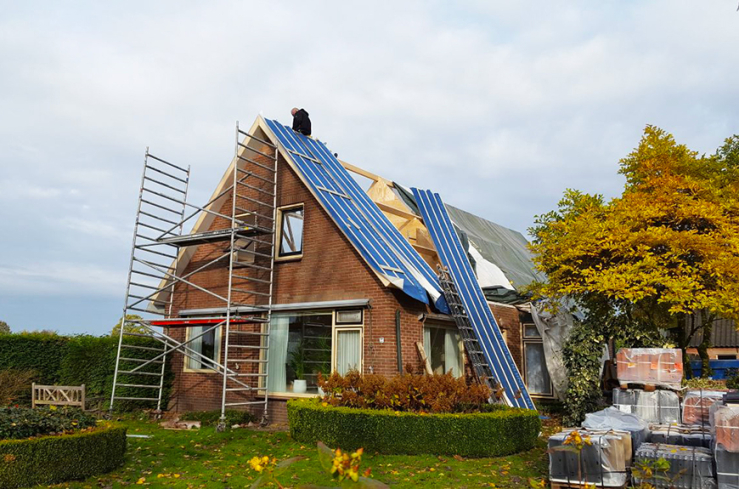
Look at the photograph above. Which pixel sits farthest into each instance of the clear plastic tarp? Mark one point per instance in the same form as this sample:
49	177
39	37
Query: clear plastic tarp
727	468
697	405
659	407
727	428
603	462
650	366
690	467
613	419
679	434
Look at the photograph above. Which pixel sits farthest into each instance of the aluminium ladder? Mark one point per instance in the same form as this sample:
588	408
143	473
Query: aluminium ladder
480	366
239	244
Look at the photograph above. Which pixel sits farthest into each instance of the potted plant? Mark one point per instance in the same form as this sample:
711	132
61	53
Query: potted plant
297	362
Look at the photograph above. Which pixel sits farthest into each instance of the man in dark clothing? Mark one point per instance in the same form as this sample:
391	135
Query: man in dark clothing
301	121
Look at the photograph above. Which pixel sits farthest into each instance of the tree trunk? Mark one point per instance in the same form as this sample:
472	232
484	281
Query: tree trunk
707	324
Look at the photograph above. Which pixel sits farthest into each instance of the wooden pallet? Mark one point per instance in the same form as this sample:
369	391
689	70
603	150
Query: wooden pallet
638	385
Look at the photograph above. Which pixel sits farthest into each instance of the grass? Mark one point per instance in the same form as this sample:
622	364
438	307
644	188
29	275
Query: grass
206	459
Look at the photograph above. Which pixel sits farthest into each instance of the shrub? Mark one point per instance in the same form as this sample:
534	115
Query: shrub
18	423
211	418
409	392
732	379
15	384
502	431
54	459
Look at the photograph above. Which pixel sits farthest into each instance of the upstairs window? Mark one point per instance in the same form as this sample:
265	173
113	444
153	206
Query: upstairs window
291	232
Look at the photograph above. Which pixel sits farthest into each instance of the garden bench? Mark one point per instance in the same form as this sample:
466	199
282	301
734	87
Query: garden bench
58	395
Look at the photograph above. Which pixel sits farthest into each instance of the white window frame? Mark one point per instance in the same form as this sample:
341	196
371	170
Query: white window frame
462	352
278	241
218	340
334	328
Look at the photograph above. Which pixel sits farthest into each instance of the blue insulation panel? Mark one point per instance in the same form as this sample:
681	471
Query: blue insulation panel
454	257
369	230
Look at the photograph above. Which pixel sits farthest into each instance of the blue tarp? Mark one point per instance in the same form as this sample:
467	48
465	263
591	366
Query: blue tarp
454	257
369	230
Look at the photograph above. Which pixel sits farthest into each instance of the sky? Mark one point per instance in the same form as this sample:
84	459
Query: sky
499	106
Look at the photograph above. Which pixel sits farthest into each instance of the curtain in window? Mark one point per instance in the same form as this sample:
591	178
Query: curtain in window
537	376
196	345
348	354
427	342
452	353
277	364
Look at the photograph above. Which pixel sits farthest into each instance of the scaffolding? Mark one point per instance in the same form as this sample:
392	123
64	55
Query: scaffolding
226	263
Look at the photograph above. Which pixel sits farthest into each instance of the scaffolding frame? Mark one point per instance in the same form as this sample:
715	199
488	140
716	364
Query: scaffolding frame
245	231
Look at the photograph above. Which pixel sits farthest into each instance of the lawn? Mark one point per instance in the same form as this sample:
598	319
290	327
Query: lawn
205	458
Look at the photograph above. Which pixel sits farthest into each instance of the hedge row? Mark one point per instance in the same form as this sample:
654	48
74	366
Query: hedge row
501	432
55	459
76	360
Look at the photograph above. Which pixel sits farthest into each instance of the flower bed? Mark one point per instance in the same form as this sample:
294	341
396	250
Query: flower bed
501	431
55	459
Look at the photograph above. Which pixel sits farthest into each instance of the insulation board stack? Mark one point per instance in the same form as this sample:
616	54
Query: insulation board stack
684	435
690	467
604	462
658	407
614	419
650	366
697	405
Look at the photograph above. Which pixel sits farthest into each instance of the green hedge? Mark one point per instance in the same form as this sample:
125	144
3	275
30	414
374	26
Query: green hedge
55	459
501	432
77	360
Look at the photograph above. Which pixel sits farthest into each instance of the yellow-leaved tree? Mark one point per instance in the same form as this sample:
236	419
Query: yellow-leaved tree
666	249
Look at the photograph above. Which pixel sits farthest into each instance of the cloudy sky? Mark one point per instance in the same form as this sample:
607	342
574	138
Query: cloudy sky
497	105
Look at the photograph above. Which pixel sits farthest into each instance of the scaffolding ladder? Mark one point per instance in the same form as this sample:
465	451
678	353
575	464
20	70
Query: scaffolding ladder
237	243
480	367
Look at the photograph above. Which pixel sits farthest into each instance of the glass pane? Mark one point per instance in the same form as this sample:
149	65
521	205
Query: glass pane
537	375
349	317
300	347
348	351
434	344
530	331
291	242
205	344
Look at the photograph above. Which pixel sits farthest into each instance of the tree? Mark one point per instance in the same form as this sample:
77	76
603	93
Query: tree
132	326
666	248
4	328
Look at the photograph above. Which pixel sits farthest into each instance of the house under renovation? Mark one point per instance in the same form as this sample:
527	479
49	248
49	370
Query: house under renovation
294	268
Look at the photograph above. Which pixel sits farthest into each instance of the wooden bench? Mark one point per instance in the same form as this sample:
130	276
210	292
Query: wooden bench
58	395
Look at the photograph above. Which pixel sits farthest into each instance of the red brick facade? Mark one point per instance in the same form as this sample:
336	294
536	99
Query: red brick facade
330	269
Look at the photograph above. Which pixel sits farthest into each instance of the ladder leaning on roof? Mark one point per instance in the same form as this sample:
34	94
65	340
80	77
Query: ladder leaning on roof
241	239
480	366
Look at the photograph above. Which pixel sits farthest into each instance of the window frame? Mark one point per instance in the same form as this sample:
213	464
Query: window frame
334	329
526	340
218	340
462	351
278	241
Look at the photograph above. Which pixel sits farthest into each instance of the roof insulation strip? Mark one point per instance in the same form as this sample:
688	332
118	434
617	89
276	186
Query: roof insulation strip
454	257
369	230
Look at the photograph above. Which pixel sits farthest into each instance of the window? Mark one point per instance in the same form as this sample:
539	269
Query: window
536	375
291	232
443	347
208	345
302	344
353	316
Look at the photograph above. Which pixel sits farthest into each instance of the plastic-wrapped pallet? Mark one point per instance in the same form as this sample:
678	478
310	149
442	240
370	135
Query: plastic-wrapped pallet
697	405
659	407
690	467
684	435
604	461
614	419
727	428
727	468
650	366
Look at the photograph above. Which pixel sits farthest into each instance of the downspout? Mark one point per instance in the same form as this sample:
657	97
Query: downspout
397	341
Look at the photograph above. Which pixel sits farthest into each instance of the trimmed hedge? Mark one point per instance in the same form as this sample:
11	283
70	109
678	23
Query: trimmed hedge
76	360
55	459
17	423
501	432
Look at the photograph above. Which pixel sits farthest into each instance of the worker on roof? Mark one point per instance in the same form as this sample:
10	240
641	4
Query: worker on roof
301	121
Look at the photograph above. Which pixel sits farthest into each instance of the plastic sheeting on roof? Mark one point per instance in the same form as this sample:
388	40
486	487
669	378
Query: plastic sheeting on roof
369	230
